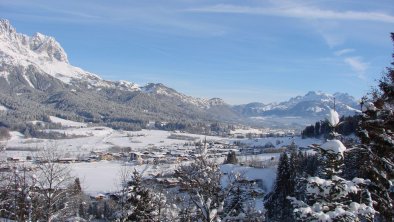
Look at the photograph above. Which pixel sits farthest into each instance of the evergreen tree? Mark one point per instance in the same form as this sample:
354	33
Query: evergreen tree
317	129
277	206
231	158
140	200
329	197
235	205
307	166
377	136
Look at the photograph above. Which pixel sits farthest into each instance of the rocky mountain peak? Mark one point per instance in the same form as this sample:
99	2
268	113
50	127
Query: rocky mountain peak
216	102
39	46
40	43
5	27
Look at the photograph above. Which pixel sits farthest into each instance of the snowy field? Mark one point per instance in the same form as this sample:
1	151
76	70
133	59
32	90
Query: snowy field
3	108
267	175
103	176
281	141
100	139
66	123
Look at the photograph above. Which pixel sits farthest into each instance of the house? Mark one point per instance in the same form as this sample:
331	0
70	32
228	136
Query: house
66	160
239	136
117	156
5	169
135	156
107	156
14	159
100	196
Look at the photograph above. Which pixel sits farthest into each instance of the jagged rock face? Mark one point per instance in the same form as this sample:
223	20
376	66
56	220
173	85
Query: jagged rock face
42	44
44	47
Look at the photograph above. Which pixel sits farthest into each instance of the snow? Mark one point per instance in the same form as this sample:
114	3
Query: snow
66	123
15	135
315	109
267	175
259	157
369	106
102	138
47	55
104	176
28	81
279	141
161	89
353	109
37	122
333	118
3	108
245	131
334	146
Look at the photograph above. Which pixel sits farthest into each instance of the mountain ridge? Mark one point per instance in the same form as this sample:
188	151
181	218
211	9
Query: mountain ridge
315	104
36	72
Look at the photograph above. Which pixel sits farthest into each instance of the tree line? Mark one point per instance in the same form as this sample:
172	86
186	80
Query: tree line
321	129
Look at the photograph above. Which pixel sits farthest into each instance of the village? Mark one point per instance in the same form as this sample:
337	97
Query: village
101	152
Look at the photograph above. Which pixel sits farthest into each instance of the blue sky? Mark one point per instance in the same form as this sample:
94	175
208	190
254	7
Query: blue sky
241	51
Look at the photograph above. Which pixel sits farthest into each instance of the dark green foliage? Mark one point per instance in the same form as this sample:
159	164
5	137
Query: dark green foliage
140	200
120	109
317	129
170	126
290	181
231	158
377	138
277	206
309	131
349	125
327	192
4	133
357	162
234	202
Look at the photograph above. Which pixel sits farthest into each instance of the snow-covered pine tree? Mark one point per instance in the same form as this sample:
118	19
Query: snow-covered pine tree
140	200
277	205
201	179
377	136
328	195
76	200
236	199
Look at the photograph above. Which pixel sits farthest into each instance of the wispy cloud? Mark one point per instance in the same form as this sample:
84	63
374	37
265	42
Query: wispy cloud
356	63
358	66
332	39
298	11
166	18
343	52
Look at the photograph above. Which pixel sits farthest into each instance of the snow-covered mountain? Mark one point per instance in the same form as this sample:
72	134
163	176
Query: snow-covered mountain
312	104
42	52
37	80
35	70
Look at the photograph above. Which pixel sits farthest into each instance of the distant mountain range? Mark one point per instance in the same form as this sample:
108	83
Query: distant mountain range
312	104
36	80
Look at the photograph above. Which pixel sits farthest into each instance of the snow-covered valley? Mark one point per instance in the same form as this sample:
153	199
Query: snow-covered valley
97	154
